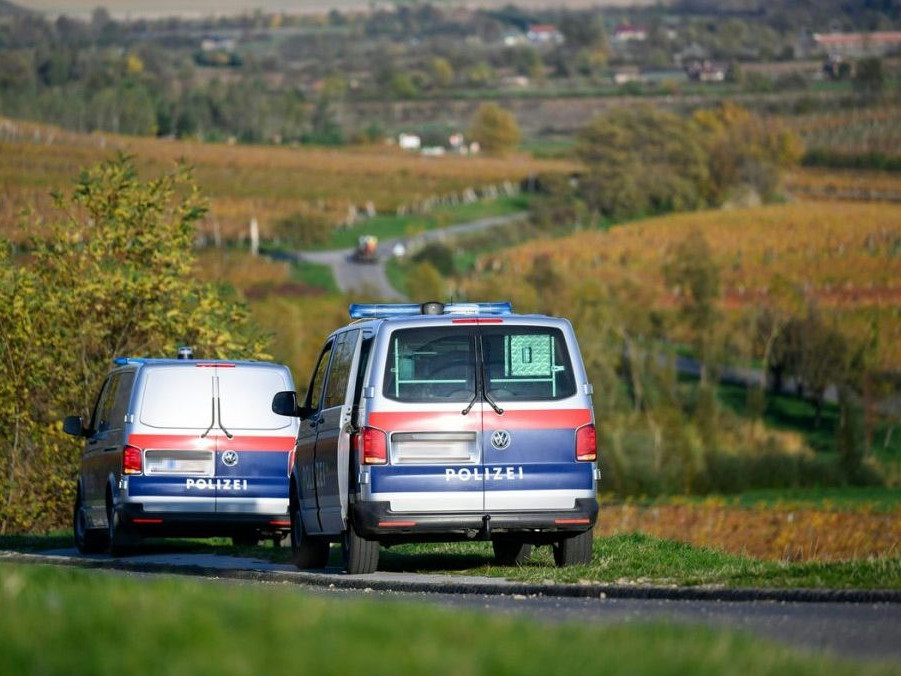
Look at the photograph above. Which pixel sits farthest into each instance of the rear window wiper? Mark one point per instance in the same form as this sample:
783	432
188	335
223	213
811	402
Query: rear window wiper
219	416
472	403
482	378
212	418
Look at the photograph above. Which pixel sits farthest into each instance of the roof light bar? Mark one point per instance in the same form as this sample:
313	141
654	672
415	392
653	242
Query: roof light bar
122	361
385	310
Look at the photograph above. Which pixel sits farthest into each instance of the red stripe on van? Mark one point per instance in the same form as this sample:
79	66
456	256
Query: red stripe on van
532	420
397	421
177	442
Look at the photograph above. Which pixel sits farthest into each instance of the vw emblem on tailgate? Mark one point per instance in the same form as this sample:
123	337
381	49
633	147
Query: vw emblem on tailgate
500	439
230	458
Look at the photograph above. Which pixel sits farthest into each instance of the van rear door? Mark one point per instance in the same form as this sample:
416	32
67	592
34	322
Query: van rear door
253	443
431	416
175	430
529	450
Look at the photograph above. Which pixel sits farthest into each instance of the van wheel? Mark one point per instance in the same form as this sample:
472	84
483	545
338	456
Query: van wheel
306	551
246	539
361	556
574	551
121	538
510	552
87	540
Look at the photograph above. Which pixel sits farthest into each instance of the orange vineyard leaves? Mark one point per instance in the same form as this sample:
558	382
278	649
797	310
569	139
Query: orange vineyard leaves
765	532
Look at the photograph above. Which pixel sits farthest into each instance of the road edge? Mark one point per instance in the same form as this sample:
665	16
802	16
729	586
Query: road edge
489	587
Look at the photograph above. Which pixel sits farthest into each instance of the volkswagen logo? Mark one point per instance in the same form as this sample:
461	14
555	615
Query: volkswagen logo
500	439
230	458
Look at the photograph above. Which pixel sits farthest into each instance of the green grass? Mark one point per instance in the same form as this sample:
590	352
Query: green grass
634	558
58	620
386	226
639	558
314	275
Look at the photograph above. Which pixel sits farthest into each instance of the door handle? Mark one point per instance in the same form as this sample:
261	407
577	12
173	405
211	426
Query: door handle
108	449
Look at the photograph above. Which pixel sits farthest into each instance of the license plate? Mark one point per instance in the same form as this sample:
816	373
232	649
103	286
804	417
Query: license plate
180	463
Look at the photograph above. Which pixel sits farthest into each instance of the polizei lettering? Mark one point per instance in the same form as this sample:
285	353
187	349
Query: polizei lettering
486	473
216	484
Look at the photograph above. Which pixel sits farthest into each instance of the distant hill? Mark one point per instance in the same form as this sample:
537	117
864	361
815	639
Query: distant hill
7	8
151	9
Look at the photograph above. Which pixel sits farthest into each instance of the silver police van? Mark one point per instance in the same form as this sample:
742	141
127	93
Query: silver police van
183	447
439	423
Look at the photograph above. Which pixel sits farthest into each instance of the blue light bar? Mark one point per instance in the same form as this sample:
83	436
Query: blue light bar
122	361
385	310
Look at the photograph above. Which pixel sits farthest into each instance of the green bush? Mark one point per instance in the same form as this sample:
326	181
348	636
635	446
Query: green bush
112	277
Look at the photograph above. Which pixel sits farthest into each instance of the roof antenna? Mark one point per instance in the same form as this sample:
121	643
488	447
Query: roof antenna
185	352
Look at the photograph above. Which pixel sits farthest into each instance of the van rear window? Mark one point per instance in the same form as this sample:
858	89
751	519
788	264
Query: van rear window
246	398
526	363
178	398
435	364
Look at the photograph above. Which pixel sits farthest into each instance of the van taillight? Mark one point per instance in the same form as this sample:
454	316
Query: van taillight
131	460
586	444
372	444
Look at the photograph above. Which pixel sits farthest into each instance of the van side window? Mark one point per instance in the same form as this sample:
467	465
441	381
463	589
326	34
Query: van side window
365	349
103	411
314	394
339	371
121	397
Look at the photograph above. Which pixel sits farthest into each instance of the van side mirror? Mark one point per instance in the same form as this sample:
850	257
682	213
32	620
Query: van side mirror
285	403
73	424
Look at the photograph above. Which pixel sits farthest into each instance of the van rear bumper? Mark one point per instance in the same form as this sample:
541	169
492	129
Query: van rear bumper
376	521
199	524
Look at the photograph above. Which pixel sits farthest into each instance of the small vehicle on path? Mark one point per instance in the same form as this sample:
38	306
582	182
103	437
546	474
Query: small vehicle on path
183	447
440	423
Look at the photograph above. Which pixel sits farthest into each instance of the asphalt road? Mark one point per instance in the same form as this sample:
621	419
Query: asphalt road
861	630
351	276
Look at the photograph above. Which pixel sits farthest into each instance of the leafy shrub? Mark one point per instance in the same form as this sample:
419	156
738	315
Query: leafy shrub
112	277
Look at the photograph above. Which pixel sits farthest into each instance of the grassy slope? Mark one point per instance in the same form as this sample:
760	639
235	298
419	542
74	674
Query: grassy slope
70	621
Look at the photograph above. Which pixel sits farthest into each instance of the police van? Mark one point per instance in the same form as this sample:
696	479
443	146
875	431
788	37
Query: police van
439	423
183	447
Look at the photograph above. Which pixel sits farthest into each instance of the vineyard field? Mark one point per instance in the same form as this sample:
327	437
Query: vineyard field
269	183
843	257
856	131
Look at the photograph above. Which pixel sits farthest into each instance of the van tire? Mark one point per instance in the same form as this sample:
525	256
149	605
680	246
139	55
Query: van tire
122	540
361	556
574	551
87	540
510	552
306	551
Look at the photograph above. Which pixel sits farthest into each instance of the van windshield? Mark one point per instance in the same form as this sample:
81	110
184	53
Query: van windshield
526	363
435	364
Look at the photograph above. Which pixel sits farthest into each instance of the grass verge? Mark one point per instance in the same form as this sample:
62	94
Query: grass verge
621	559
644	559
188	626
